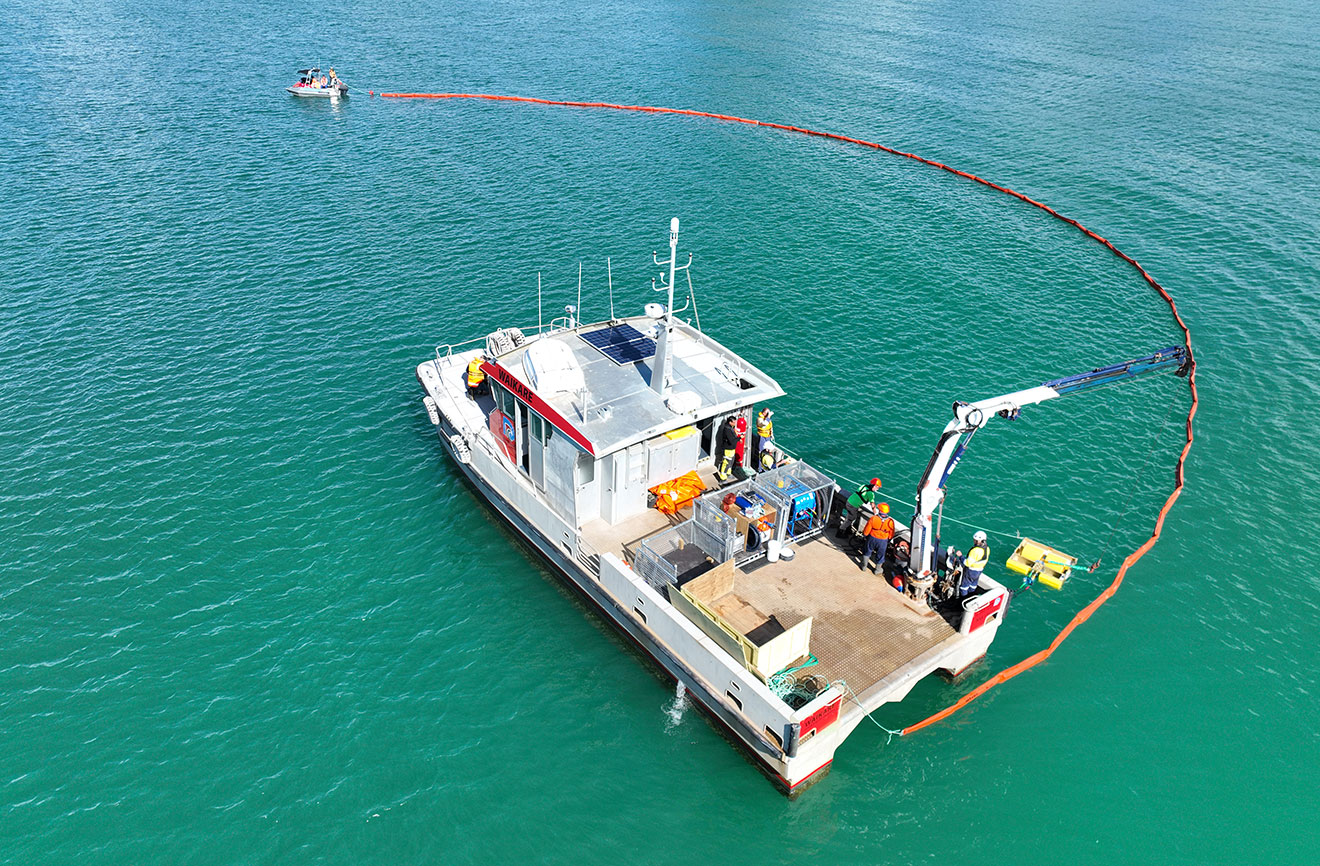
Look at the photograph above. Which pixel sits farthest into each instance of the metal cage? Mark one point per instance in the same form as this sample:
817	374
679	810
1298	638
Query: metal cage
676	554
800	495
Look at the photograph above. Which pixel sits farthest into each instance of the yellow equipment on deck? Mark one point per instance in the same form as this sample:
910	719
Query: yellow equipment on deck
1049	565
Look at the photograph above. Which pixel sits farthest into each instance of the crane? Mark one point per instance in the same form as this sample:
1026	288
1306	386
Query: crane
971	417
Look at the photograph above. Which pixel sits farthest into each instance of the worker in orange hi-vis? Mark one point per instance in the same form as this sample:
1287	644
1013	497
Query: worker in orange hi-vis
879	529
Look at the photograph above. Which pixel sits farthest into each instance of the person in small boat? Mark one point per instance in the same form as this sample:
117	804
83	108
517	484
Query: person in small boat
864	496
973	564
879	529
726	448
476	378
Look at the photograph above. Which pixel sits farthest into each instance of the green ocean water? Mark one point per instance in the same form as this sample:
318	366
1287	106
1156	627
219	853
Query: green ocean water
252	615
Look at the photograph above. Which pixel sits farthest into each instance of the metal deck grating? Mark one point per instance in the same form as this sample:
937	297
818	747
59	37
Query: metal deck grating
862	631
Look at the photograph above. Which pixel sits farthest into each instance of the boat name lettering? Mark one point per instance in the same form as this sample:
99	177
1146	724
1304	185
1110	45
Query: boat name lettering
518	388
822	718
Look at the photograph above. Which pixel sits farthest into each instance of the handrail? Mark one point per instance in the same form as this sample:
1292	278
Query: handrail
559	324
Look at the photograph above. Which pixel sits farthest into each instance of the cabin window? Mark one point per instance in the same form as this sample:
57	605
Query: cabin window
541	429
508	403
586	469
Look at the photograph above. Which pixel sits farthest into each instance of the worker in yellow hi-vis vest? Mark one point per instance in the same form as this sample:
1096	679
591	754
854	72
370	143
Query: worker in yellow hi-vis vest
765	429
476	378
973	564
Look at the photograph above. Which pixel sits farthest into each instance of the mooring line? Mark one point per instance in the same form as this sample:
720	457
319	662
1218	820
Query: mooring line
1179	470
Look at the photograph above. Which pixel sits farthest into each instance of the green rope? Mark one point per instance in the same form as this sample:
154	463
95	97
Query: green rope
785	685
852	696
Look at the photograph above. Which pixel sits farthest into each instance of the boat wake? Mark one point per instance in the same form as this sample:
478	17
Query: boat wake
675	708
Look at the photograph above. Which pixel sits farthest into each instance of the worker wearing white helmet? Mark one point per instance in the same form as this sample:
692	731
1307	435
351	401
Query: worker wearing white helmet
974	563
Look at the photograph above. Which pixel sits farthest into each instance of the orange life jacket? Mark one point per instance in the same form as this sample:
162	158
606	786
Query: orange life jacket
880	527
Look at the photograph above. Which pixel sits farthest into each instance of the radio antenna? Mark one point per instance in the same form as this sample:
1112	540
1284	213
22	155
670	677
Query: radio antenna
663	373
609	271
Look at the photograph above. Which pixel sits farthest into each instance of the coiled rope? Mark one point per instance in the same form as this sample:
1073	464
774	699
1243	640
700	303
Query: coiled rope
1179	470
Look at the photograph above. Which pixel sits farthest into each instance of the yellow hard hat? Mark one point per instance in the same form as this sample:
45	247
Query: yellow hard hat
884	507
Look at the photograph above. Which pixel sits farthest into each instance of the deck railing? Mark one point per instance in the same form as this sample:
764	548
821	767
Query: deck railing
445	350
588	557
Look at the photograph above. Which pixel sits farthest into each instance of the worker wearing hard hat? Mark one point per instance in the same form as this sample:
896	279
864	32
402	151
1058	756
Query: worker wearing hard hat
879	529
864	497
476	377
974	563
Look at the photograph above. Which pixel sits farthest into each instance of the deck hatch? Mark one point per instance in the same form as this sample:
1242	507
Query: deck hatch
622	344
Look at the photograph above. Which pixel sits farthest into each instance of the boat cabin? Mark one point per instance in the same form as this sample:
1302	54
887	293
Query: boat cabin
575	411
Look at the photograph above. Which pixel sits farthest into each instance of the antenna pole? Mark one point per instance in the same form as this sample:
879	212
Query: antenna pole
673	260
579	305
609	271
662	373
540	323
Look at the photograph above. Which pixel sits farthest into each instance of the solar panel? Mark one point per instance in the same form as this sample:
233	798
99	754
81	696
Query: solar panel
622	344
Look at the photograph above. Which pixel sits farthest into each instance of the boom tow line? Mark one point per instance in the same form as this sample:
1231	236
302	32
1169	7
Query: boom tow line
1179	470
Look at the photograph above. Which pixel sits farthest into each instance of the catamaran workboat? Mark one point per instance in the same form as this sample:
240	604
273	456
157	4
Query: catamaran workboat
598	444
579	431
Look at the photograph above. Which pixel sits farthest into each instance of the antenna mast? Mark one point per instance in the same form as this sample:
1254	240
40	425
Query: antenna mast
609	271
662	375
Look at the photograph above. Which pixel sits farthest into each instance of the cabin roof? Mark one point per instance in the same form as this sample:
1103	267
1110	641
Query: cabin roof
618	407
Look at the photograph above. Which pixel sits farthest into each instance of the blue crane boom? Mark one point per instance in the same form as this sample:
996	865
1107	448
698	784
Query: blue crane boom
970	417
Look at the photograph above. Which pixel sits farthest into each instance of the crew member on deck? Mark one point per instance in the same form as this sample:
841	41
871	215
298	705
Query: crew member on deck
879	529
739	452
864	496
974	564
476	378
765	429
726	445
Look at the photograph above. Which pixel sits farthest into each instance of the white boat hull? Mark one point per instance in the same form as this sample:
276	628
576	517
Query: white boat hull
319	92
